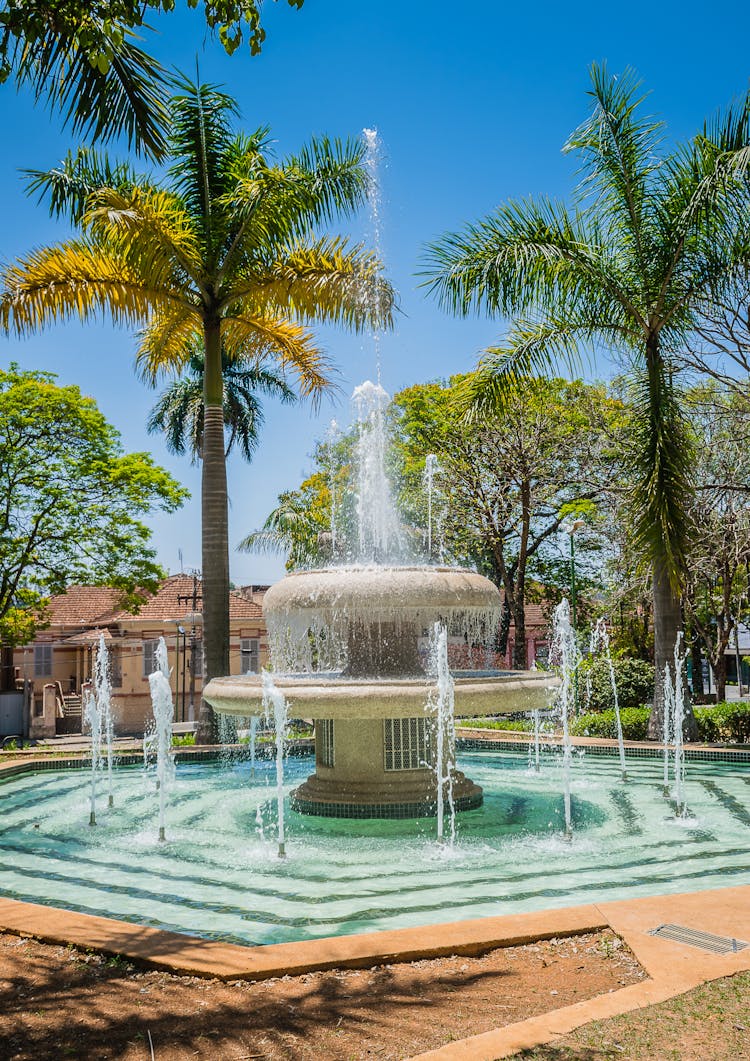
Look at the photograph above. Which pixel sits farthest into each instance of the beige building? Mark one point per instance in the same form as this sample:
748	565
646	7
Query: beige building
63	655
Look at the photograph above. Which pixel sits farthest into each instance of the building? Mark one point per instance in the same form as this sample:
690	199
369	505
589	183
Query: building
63	654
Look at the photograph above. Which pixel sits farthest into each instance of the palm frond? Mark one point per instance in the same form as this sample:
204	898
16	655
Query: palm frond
618	148
152	231
77	279
201	145
66	187
99	99
246	337
167	343
325	281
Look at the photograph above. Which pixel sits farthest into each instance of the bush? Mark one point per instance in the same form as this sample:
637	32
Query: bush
520	725
634	678
727	722
604	724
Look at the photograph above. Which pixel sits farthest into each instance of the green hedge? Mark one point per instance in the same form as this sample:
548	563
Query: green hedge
603	724
724	723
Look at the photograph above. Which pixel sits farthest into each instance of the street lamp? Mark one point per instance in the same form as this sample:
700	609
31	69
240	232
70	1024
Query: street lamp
570	529
193	619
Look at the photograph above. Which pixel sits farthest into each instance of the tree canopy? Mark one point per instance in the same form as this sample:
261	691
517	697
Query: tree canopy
72	501
83	58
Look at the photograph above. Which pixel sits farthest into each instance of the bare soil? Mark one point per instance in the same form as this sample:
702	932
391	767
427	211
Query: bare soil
710	1023
58	1002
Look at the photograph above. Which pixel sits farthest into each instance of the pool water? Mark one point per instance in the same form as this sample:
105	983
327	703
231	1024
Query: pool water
218	874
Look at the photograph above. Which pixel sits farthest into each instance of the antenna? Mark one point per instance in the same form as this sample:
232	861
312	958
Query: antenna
179	557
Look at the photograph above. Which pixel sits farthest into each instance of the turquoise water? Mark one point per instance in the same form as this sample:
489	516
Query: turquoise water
217	876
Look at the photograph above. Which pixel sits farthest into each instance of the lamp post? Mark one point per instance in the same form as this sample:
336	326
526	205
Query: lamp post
193	620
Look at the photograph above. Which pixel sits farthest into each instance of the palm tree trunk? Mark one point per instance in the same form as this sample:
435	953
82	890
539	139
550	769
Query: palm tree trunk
215	531
667	624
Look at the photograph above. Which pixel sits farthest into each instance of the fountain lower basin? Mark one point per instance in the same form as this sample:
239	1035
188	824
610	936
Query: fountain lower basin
218	875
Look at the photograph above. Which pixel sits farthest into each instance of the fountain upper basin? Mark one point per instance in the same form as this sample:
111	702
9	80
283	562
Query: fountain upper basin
313	696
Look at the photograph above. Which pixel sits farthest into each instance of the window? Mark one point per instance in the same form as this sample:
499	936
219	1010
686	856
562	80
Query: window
149	656
407	746
43	660
249	655
115	668
324	741
196	658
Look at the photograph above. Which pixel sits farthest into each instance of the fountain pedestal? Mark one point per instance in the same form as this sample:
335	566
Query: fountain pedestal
359	771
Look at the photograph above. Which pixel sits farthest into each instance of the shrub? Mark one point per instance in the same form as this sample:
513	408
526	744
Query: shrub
520	725
727	722
604	724
634	678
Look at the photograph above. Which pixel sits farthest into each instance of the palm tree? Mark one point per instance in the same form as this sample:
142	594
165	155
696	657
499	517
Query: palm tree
221	253
652	239
179	411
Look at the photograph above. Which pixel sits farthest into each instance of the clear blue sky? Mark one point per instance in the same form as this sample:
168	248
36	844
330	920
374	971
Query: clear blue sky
473	103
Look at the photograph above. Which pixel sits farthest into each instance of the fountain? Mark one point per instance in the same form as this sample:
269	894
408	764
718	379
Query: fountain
565	652
350	650
93	719
600	643
103	693
161	699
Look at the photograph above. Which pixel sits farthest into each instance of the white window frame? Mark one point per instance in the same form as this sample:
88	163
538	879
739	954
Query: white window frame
248	653
150	644
406	744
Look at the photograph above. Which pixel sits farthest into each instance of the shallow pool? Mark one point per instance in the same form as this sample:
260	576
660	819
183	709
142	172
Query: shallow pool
218	874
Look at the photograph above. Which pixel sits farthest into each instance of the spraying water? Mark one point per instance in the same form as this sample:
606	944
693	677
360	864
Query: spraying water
373	157
253	739
431	467
565	653
667	727
377	523
442	702
93	719
103	693
333	434
537	761
274	703
161	701
600	643
679	717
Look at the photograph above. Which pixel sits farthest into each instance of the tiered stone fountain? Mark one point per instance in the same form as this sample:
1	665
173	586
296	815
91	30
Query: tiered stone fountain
349	650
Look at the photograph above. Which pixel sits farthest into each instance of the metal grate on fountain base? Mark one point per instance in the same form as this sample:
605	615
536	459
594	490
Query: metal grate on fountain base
693	937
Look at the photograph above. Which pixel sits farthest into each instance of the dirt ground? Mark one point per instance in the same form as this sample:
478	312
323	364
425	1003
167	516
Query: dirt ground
711	1023
58	1002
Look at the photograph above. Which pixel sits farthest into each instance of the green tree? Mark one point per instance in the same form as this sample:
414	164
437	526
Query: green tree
653	237
221	254
178	413
508	485
72	502
717	588
83	58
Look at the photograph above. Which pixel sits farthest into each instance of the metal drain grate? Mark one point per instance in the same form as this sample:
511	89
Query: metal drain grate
694	938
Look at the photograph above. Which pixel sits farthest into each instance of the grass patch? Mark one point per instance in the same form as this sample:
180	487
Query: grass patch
709	1023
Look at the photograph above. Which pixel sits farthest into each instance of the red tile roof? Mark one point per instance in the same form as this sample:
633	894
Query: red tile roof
84	606
91	606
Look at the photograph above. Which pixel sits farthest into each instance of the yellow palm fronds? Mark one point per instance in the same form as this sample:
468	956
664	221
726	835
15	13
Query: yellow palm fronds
282	340
322	281
77	279
151	229
166	343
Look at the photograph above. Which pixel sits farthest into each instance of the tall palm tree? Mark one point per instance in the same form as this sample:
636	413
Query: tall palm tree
178	413
651	240
220	252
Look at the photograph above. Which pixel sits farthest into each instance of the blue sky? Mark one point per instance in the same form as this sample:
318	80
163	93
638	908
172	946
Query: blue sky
472	102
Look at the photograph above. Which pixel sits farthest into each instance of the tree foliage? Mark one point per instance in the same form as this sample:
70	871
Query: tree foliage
178	413
83	58
72	502
652	238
